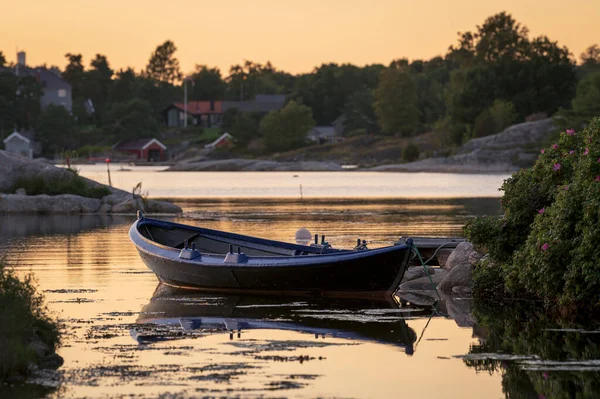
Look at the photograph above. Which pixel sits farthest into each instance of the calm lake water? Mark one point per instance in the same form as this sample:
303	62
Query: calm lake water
124	335
287	184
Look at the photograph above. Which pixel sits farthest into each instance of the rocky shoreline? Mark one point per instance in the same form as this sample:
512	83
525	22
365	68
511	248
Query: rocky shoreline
502	153
454	277
14	167
254	165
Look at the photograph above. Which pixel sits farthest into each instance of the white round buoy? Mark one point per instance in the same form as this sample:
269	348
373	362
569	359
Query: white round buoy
303	236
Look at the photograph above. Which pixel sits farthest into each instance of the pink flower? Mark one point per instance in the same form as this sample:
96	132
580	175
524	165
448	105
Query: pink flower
556	167
572	152
566	188
542	151
597	178
545	246
545	375
555	146
571	132
541	211
587	151
598	159
590	140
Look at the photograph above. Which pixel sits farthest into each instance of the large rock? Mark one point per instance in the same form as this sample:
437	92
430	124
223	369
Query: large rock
459	309
415	272
460	255
423	283
422	298
14	167
154	206
39	348
460	276
505	152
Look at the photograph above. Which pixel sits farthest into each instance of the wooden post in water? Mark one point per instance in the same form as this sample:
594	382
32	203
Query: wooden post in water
108	171
301	196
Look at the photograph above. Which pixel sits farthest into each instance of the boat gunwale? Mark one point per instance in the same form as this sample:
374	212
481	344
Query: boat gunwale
315	260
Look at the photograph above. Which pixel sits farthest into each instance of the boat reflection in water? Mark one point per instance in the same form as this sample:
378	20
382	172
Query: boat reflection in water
376	320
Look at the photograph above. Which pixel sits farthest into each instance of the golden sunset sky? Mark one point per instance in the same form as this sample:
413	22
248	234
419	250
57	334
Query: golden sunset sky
295	36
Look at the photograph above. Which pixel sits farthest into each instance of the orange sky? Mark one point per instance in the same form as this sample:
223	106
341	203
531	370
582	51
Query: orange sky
294	36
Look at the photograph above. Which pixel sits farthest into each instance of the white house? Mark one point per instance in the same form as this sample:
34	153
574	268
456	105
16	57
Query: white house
22	144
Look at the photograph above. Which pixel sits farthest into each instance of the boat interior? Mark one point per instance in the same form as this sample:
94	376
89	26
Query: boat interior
215	242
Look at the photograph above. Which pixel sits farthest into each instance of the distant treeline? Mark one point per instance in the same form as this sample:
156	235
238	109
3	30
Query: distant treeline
492	77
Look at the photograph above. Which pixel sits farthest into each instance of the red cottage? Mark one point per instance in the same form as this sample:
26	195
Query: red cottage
150	150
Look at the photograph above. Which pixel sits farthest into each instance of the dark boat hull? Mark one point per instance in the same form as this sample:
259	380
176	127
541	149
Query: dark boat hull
352	273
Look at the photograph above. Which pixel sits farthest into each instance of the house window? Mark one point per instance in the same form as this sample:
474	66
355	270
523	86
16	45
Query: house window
62	93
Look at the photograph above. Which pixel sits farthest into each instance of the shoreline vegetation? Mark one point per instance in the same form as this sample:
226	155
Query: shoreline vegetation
545	246
29	334
505	152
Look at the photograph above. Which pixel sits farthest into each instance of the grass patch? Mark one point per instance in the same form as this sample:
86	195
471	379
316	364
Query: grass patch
23	316
70	183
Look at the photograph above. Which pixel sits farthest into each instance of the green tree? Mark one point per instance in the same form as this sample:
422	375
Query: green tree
27	102
74	73
359	112
503	114
208	84
286	129
124	86
8	98
584	106
163	66
484	124
2	60
245	128
590	60
499	61
131	120
56	131
98	80
396	101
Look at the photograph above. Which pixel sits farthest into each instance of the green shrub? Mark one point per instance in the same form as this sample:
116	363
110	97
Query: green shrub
23	315
69	184
503	114
484	124
410	153
547	242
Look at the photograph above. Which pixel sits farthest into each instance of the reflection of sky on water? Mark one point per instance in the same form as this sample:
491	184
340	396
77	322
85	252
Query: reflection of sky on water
97	285
287	184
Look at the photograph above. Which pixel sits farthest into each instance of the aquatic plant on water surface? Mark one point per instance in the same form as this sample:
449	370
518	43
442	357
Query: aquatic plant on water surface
24	319
547	243
539	354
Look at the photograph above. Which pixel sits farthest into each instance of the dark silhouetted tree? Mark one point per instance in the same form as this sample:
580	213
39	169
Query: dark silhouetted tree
163	66
396	100
286	129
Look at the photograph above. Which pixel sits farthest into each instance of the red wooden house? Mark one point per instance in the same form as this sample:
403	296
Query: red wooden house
150	150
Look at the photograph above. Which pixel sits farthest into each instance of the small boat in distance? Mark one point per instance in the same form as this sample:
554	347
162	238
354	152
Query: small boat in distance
192	257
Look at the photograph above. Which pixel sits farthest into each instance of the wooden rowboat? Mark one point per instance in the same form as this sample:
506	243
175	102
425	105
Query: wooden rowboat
193	257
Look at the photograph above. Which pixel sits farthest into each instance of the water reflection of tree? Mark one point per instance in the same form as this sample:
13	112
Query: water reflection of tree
525	330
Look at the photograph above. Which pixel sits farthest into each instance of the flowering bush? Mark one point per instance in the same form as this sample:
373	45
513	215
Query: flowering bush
547	244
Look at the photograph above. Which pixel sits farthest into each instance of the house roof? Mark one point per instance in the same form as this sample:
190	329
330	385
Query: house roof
25	136
200	107
217	141
46	77
261	103
138	144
